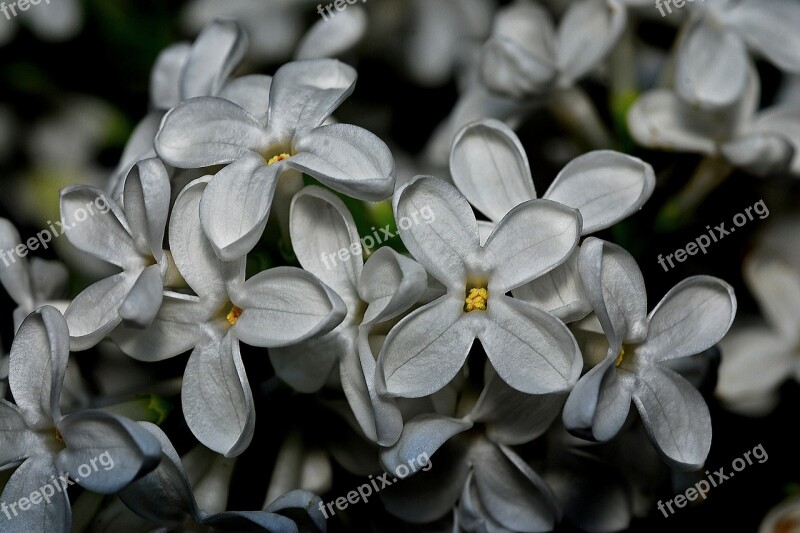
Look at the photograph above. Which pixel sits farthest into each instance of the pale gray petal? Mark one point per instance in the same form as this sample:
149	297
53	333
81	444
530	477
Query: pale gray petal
53	515
165	77
306	366
249	92
769	27
94	313
559	291
146	196
14	273
216	52
141	304
333	37
785	121
422	436
390	284
659	119
19	442
588	31
775	283
761	154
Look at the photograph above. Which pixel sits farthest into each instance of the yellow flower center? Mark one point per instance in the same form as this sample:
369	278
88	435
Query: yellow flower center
476	299
279	157
60	437
620	357
233	315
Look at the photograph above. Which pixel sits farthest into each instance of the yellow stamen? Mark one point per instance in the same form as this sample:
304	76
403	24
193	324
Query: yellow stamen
233	315
279	157
620	356
476	299
60	437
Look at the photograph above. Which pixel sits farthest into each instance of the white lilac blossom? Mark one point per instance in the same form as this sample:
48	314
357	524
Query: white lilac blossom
129	237
490	167
51	446
289	137
277	307
712	55
530	349
761	142
477	474
54	21
772	272
166	498
375	292
691	318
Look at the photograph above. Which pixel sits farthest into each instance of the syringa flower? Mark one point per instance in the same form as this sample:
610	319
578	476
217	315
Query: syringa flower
289	137
165	497
129	237
277	307
375	292
712	58
31	284
529	348
691	318
489	166
52	446
772	272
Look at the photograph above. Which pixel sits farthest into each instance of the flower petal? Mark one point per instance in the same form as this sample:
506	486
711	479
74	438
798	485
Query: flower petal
146	199
94	313
207	131
530	349
216	52
236	204
659	119
216	397
165	77
38	362
305	93
775	283
14	275
588	31
140	306
390	284
761	154
676	417
427	348
691	318
605	186
306	366
532	239
489	166
559	292
19	442
283	306
125	450
769	28
422	437
53	515
249	92
785	121
348	159
333	37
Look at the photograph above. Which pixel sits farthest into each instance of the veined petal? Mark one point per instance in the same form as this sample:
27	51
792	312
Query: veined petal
712	66
559	292
140	306
38	362
305	93
216	52
605	186
283	306
18	441
532	239
676	417
236	204
208	131
321	226
348	159
53	515
103	234
588	31
390	284
95	312
530	349
769	27
422	436
146	205
426	349
249	92
444	245
692	317
216	396
489	166
125	450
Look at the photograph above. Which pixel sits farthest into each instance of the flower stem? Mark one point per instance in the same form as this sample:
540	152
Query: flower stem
679	211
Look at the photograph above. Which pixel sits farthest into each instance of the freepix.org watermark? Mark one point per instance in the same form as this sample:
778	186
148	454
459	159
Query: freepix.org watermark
362	493
661	4
715	479
45	236
714	235
424	215
10	9
340	5
56	486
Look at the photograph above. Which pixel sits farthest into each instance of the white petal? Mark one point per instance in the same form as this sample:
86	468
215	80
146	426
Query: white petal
283	306
348	159
236	204
761	154
532	239
676	417
691	318
55	515
38	362
305	93
166	75
321	226
442	245
19	442
390	284
659	119
214	55
588	31
141	304
306	366
249	92
712	66
489	166
207	131
769	27
785	121
94	313
216	396
426	349
775	283
422	436
605	186
14	272
333	37
559	291
530	349
146	205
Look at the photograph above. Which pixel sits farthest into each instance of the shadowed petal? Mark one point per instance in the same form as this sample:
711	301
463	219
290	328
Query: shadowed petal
769	27
421	437
55	515
214	55
390	284
94	313
587	33
146	199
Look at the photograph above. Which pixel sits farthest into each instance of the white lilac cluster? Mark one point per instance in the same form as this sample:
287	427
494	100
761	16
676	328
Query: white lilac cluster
530	427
